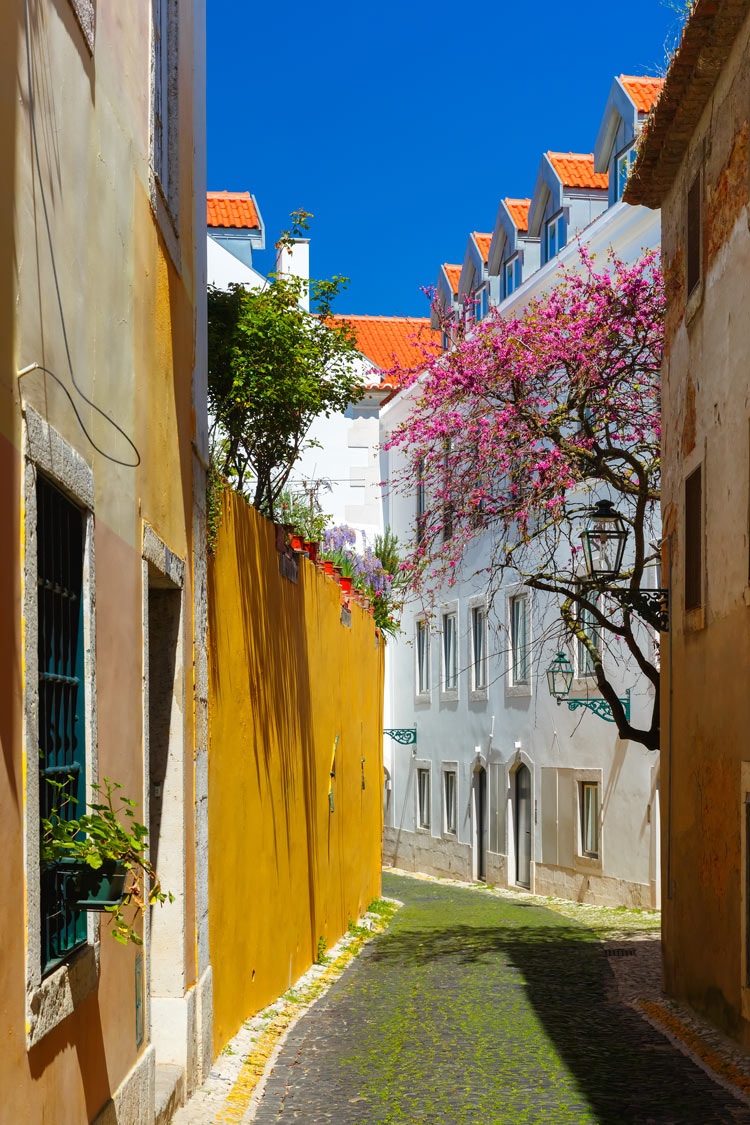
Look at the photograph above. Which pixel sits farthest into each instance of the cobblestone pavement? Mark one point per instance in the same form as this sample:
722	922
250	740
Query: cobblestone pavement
474	1009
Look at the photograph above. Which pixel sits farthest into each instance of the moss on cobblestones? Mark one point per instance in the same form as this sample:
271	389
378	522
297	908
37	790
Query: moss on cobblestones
482	1008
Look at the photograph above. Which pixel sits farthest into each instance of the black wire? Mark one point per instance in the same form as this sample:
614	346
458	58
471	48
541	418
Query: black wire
32	116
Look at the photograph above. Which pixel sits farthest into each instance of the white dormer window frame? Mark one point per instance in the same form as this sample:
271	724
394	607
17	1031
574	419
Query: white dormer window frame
623	163
554	235
510	274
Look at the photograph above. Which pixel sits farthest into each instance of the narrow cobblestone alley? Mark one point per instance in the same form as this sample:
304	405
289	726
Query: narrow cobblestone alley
475	1008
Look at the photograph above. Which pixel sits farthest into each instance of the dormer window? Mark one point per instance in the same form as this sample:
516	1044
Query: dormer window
624	164
480	305
511	275
554	236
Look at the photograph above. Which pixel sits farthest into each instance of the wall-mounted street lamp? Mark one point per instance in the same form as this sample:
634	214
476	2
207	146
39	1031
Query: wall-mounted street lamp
603	541
559	680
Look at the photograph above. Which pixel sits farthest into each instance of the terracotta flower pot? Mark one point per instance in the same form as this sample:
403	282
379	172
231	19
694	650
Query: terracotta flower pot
312	549
337	572
346	584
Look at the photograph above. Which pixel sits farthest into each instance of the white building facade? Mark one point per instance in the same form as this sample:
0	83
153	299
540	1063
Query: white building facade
503	784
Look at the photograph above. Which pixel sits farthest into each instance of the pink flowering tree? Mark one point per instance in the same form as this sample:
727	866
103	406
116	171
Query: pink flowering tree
519	429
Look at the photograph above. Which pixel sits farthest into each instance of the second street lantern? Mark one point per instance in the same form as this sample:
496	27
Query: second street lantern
603	541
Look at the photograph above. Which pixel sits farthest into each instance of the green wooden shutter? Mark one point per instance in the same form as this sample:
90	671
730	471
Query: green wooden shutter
62	741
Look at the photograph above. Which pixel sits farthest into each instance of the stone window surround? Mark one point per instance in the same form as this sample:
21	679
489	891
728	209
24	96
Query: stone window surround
583	862
449	695
478	695
51	999
422	696
422	764
448	767
513	690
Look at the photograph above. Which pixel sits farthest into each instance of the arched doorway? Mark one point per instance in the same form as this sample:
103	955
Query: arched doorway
523	826
480	822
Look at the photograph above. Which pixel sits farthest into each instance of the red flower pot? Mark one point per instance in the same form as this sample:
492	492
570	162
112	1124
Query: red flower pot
297	542
328	567
346	585
312	549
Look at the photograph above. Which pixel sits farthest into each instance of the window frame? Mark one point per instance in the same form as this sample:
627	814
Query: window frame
448	622
511	264
51	998
479	690
449	769
589	786
583	673
626	155
556	222
422	660
518	594
164	140
421	502
423	787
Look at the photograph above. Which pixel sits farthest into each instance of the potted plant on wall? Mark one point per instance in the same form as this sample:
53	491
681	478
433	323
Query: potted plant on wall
99	859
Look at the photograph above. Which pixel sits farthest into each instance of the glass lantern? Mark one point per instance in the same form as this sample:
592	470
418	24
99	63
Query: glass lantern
560	676
603	541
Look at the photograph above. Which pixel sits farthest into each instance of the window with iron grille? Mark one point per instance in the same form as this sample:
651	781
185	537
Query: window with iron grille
62	742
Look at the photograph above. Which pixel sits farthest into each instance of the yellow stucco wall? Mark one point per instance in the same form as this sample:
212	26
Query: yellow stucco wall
285	678
86	282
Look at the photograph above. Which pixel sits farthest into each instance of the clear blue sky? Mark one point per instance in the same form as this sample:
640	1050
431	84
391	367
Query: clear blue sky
400	125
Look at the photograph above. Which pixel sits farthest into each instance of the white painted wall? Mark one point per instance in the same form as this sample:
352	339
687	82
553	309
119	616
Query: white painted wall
224	269
505	725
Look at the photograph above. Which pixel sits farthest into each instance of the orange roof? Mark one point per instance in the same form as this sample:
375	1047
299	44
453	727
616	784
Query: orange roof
643	91
483	242
576	170
519	212
388	341
453	273
232	209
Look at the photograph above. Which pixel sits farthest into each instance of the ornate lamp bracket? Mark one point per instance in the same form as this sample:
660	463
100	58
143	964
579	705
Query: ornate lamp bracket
405	736
599	706
651	605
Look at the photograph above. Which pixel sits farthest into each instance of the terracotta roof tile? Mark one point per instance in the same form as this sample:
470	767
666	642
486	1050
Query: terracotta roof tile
390	340
453	273
518	210
576	170
231	209
643	91
483	242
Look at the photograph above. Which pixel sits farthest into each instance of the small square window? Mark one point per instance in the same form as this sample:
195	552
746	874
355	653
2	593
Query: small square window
589	798
449	797
423	797
450	653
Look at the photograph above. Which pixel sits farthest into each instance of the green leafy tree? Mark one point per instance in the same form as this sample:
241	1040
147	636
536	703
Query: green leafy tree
273	368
